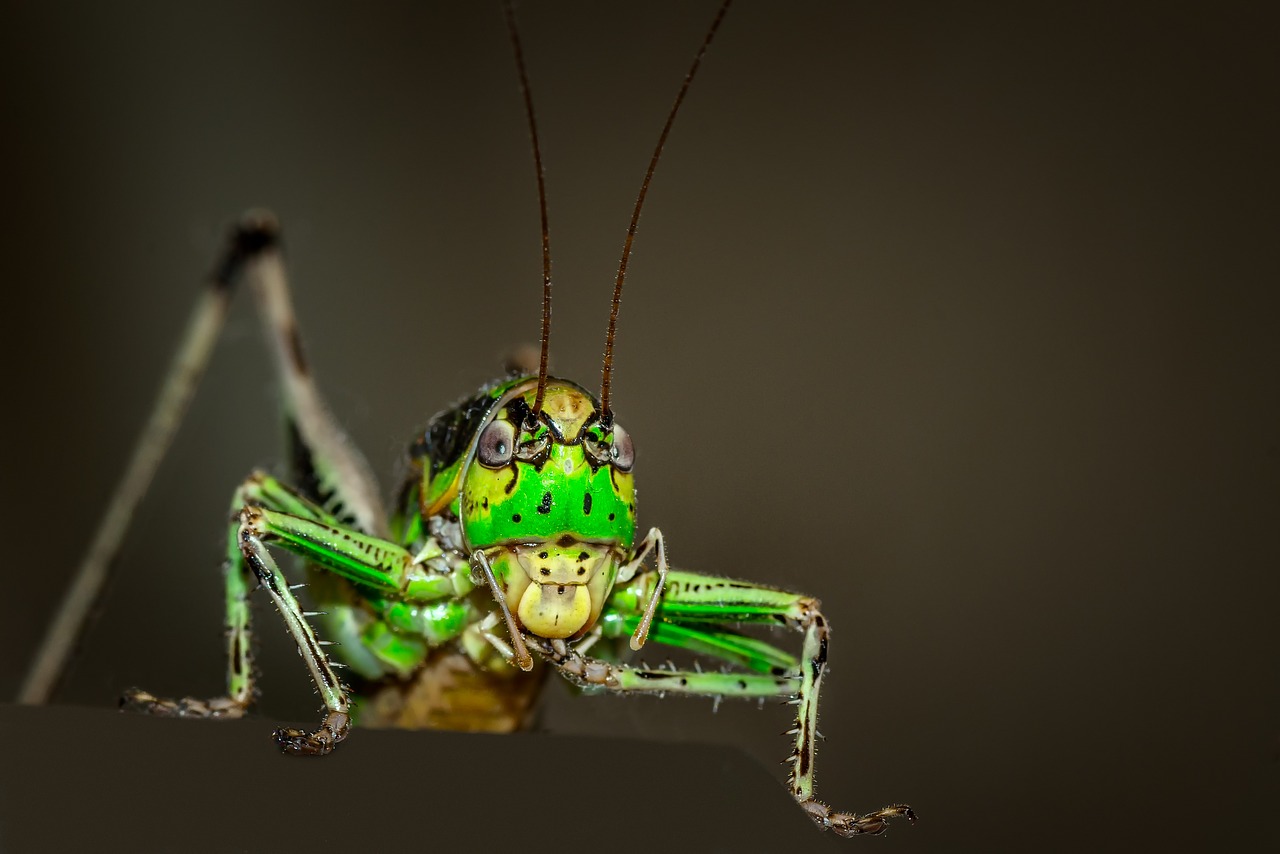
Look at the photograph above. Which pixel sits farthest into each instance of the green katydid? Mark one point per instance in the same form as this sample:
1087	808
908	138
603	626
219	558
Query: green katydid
510	551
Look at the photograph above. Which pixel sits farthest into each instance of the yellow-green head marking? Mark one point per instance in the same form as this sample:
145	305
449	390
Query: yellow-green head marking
550	500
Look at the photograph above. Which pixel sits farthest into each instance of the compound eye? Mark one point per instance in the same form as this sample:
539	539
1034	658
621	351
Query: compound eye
497	444
622	452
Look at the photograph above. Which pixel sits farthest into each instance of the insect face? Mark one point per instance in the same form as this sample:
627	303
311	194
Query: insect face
550	499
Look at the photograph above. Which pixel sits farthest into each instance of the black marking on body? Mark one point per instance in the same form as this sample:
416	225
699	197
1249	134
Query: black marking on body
520	413
248	238
449	434
649	674
310	486
545	507
515	517
265	578
302	464
297	357
586	504
515	476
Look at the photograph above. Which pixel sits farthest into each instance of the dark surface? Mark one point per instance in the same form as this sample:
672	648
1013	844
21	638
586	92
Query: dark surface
961	317
131	783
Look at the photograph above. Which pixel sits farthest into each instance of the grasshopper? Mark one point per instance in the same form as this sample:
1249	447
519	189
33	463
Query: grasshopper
512	548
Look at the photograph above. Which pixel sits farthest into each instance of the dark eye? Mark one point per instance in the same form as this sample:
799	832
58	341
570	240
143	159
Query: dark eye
622	451
497	444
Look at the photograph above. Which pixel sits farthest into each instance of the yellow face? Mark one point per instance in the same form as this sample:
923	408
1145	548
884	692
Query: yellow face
551	502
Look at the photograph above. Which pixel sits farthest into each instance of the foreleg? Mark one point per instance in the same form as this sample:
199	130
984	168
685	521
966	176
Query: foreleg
691	615
271	512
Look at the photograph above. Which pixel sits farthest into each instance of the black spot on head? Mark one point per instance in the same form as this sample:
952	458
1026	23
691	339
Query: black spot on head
542	555
515	517
485	503
611	517
545	506
545	571
582	570
582	556
586	504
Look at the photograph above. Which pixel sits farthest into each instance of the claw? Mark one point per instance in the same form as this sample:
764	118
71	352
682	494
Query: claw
323	741
137	700
849	824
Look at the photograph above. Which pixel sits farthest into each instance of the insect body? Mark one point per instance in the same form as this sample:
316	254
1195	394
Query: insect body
510	552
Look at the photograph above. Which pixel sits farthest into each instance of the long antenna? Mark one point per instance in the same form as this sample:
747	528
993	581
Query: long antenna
542	206
606	414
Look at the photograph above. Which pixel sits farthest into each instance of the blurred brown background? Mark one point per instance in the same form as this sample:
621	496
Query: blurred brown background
959	317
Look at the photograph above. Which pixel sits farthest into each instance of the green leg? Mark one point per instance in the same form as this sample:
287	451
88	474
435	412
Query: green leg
269	511
691	615
239	583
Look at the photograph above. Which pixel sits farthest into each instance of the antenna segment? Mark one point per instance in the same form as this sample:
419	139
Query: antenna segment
542	206
606	414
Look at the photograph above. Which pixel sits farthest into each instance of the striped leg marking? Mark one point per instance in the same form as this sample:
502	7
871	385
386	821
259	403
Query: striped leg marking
257	489
266	510
337	718
692	615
